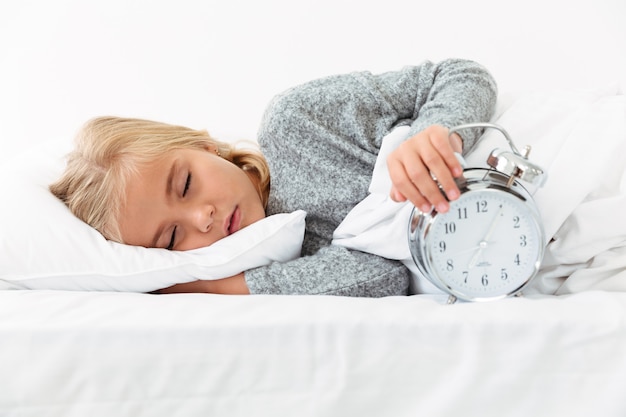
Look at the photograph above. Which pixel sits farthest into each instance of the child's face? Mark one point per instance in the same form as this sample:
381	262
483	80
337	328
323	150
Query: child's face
187	200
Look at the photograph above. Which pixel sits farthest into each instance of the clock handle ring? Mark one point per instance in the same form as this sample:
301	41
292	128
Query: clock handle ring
492	126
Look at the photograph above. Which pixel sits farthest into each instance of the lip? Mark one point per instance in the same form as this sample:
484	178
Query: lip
233	222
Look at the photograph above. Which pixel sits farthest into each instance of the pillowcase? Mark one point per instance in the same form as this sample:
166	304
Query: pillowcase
44	246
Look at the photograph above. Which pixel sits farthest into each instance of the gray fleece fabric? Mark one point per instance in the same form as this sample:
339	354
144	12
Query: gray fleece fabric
321	140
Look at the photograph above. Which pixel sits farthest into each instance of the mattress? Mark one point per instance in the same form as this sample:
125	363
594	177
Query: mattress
74	354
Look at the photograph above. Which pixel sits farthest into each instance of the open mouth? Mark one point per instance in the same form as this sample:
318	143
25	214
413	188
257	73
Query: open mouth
234	222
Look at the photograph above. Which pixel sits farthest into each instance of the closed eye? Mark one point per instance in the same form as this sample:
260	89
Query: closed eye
170	246
187	184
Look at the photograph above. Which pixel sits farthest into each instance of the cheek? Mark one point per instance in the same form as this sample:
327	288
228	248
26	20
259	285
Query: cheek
236	180
221	172
259	215
225	181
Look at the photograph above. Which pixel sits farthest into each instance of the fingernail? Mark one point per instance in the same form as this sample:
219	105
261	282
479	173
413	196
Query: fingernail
425	208
442	207
453	194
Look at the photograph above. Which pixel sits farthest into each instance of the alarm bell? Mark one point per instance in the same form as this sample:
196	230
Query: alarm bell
517	166
513	164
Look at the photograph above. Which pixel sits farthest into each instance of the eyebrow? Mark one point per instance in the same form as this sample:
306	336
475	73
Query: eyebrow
168	190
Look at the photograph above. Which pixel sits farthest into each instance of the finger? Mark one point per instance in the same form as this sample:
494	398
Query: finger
396	195
456	142
411	174
428	188
447	147
443	163
404	189
445	179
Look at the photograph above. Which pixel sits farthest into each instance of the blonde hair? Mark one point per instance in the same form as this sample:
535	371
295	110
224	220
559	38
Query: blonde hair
109	149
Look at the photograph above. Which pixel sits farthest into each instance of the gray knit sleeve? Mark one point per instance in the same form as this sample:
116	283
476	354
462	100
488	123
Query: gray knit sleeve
321	140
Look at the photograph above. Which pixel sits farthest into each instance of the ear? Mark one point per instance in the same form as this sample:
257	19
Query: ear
213	148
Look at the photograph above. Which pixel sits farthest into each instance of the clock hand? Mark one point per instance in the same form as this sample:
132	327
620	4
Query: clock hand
474	259
493	225
485	242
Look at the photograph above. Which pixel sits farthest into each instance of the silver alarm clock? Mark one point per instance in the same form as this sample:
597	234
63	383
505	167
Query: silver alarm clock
490	243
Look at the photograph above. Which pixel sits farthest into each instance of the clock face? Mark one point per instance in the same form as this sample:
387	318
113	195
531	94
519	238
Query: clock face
487	245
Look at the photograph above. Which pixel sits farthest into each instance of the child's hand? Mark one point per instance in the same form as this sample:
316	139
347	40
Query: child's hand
411	164
231	285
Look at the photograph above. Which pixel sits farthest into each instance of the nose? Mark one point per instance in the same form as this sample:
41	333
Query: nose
201	217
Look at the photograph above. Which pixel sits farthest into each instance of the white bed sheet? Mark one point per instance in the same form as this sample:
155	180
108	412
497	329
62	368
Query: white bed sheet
74	354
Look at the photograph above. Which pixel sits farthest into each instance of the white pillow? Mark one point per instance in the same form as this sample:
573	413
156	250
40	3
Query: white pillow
44	246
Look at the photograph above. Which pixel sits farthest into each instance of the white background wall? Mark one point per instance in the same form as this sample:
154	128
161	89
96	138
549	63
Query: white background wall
214	64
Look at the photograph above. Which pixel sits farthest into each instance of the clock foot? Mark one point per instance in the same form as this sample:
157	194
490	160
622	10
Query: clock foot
451	300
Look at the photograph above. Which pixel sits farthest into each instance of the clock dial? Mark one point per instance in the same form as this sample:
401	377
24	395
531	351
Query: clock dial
488	244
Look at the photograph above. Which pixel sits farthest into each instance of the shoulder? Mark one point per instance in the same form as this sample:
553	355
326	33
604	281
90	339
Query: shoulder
306	106
315	92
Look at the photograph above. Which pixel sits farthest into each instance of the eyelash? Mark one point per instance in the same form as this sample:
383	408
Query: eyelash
170	246
187	183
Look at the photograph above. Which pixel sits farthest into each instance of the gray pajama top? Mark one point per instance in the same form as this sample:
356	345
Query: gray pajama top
321	140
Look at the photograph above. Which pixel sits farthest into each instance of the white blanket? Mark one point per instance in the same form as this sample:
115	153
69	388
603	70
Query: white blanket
579	138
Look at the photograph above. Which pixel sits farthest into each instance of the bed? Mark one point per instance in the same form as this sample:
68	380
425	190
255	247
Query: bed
126	354
80	337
